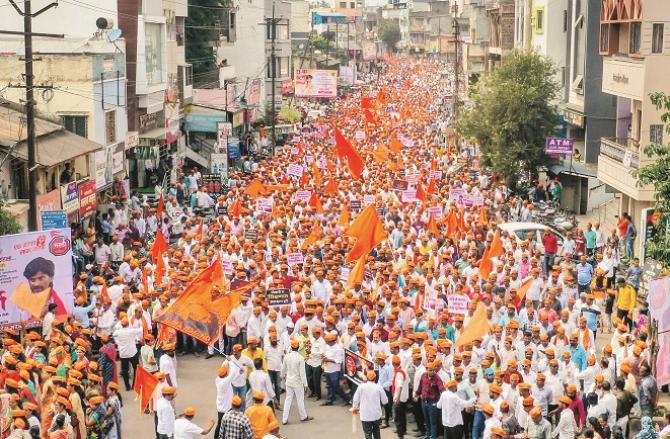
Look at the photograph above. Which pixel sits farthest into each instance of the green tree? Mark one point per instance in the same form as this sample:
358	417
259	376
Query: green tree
512	114
201	33
656	174
389	33
8	224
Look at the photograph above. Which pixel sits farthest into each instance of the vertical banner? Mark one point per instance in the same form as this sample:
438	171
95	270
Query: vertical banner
47	202
88	199
35	271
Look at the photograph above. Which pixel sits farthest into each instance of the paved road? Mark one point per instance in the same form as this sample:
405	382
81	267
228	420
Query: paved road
196	379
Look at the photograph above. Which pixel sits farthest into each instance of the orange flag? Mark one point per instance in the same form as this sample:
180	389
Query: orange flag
331	188
396	146
369	232
356	273
161	207
478	326
144	386
159	246
521	293
346	151
343	220
381	154
315	202
431	187
104	292
366	102
483	216
203	307
369	117
313	237
496	246
160	270
461	220
235	209
432	227
420	194
199	231
255	188
485	265
316	172
452	222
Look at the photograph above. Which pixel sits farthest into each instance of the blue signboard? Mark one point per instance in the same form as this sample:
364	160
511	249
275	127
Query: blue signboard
54	219
234	147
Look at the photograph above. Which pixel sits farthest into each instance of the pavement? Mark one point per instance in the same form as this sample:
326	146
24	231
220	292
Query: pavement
196	380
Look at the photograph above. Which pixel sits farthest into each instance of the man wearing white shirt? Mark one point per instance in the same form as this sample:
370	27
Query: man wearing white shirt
333	357
609	403
168	364
293	369
236	363
400	395
126	338
184	428
368	402
452	405
165	414
274	353
567	427
224	394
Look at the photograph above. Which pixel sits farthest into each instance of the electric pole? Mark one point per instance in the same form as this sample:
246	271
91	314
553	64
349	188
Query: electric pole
273	76
30	102
457	44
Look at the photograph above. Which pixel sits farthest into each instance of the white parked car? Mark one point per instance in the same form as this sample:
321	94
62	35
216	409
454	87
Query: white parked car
521	231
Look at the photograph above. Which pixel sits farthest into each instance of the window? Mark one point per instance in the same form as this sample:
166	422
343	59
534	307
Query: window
635	31
76	124
227	26
657	38
180	31
282	67
656	134
539	20
110	126
604	38
565	20
188	75
281	31
343	5
153	33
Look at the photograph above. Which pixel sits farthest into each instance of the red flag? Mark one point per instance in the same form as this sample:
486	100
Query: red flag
366	102
145	384
369	117
161	207
431	187
203	307
345	150
369	232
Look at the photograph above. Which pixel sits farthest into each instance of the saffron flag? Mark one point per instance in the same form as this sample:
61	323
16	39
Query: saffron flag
356	273
381	154
331	188
369	117
316	172
199	230
346	151
369	232
420	194
159	246
145	384
161	207
478	326
431	187
343	220
496	246
432	227
235	209
255	188
452	223
485	264
396	146
366	102
313	237
203	307
104	292
521	293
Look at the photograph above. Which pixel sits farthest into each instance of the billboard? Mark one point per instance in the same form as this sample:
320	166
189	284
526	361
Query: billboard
315	83
88	199
35	271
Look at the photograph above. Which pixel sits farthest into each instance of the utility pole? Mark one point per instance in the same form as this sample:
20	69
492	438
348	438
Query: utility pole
457	46
273	76
30	102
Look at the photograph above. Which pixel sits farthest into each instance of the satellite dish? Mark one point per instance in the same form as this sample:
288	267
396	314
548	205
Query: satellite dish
114	35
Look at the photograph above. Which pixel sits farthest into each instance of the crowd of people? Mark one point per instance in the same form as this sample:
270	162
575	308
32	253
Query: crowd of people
458	328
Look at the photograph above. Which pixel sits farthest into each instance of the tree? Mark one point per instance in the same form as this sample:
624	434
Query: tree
8	224
201	33
656	174
512	114
389	33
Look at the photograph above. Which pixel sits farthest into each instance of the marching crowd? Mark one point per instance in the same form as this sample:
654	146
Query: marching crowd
442	325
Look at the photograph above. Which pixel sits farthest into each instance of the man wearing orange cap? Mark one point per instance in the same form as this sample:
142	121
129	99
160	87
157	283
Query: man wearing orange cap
185	428
293	368
165	413
368	401
125	338
566	427
260	415
332	367
452	406
235	424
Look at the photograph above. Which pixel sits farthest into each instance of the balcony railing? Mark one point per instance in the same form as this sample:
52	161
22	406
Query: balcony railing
623	150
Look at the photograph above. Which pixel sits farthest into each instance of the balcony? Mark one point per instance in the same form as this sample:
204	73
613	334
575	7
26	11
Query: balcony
625	151
618	162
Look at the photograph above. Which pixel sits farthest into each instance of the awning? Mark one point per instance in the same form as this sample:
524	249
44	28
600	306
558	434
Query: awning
575	168
156	133
57	147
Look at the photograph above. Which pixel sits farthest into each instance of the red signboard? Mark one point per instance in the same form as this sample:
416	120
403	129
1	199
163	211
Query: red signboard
88	198
286	86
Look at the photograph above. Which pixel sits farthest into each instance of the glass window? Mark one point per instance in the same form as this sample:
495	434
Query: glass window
284	67
76	124
635	31
657	38
110	126
153	33
656	134
539	20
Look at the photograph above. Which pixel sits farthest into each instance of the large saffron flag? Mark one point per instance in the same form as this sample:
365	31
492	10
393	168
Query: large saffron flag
346	151
485	264
255	188
235	209
496	246
521	293
161	207
145	384
203	307
356	273
159	246
478	326
331	188
313	237
369	232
